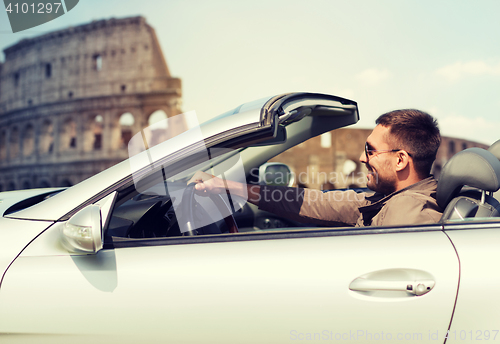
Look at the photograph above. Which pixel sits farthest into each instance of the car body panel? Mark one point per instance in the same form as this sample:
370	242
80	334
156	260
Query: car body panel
196	292
11	198
478	303
15	235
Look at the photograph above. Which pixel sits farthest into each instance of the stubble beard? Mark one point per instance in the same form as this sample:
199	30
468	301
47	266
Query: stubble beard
382	185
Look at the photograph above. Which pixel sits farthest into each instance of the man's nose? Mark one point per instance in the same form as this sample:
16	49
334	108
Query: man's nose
362	158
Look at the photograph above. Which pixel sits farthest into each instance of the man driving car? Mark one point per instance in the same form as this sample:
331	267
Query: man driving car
398	155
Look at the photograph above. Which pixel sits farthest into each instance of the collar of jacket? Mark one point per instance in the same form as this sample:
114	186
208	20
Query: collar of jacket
378	200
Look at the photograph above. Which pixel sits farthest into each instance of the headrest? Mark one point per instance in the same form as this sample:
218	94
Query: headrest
475	167
495	149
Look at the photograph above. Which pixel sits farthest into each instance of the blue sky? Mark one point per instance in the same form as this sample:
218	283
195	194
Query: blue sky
438	56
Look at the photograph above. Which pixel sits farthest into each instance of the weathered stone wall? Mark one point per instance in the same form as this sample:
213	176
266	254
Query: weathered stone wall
70	100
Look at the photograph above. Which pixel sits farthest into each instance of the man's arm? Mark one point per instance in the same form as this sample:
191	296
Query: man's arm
332	208
335	208
207	183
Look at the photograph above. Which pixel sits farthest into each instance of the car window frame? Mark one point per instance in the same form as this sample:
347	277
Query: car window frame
281	233
271	234
275	234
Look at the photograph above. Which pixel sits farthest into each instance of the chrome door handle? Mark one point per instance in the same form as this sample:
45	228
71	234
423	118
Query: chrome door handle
416	287
392	283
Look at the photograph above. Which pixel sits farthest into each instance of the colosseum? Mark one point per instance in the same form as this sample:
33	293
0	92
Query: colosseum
70	100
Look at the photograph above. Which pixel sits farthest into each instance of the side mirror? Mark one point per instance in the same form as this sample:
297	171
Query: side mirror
83	231
275	173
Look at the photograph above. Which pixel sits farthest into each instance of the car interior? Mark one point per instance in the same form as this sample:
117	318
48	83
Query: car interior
153	213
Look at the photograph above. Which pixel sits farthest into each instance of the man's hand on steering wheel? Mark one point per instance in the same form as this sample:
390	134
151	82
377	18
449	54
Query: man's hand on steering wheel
207	184
211	186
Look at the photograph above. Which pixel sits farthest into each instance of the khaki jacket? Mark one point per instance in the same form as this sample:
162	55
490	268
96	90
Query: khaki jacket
415	204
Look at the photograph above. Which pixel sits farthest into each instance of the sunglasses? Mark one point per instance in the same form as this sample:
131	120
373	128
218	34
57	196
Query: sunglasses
371	152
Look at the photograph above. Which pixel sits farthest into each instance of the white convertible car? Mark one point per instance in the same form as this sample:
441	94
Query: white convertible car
132	255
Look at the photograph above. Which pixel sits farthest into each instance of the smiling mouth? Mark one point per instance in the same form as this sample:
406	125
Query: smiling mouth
371	175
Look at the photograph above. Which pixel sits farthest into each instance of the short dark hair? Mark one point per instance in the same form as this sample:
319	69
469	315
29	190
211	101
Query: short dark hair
416	132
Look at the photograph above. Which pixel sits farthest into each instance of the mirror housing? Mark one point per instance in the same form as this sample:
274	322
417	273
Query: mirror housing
83	231
275	173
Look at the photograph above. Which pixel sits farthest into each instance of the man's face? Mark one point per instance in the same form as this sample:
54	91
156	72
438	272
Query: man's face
379	161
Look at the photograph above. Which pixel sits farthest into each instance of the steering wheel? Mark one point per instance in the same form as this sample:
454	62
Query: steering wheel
187	207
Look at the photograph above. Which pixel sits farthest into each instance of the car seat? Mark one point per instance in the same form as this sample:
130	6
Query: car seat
479	171
495	149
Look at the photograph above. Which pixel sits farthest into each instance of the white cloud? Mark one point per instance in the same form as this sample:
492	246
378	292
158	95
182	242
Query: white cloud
460	70
373	76
475	129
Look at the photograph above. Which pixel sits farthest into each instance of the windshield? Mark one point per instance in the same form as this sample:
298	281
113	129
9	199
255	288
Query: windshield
209	165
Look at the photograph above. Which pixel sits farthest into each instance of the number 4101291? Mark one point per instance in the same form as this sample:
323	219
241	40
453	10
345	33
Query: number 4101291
32	8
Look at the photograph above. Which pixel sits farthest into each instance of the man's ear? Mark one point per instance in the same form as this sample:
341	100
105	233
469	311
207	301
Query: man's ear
402	160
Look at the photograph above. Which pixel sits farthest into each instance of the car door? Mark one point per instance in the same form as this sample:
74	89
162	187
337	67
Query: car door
267	287
478	302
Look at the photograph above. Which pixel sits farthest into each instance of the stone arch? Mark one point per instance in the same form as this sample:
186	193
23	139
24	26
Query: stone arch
44	184
48	70
326	141
97	62
3	145
177	123
28	138
67	135
11	186
158	127
14	143
66	183
26	185
451	148
350	167
94	133
126	123
46	144
158	116
359	174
